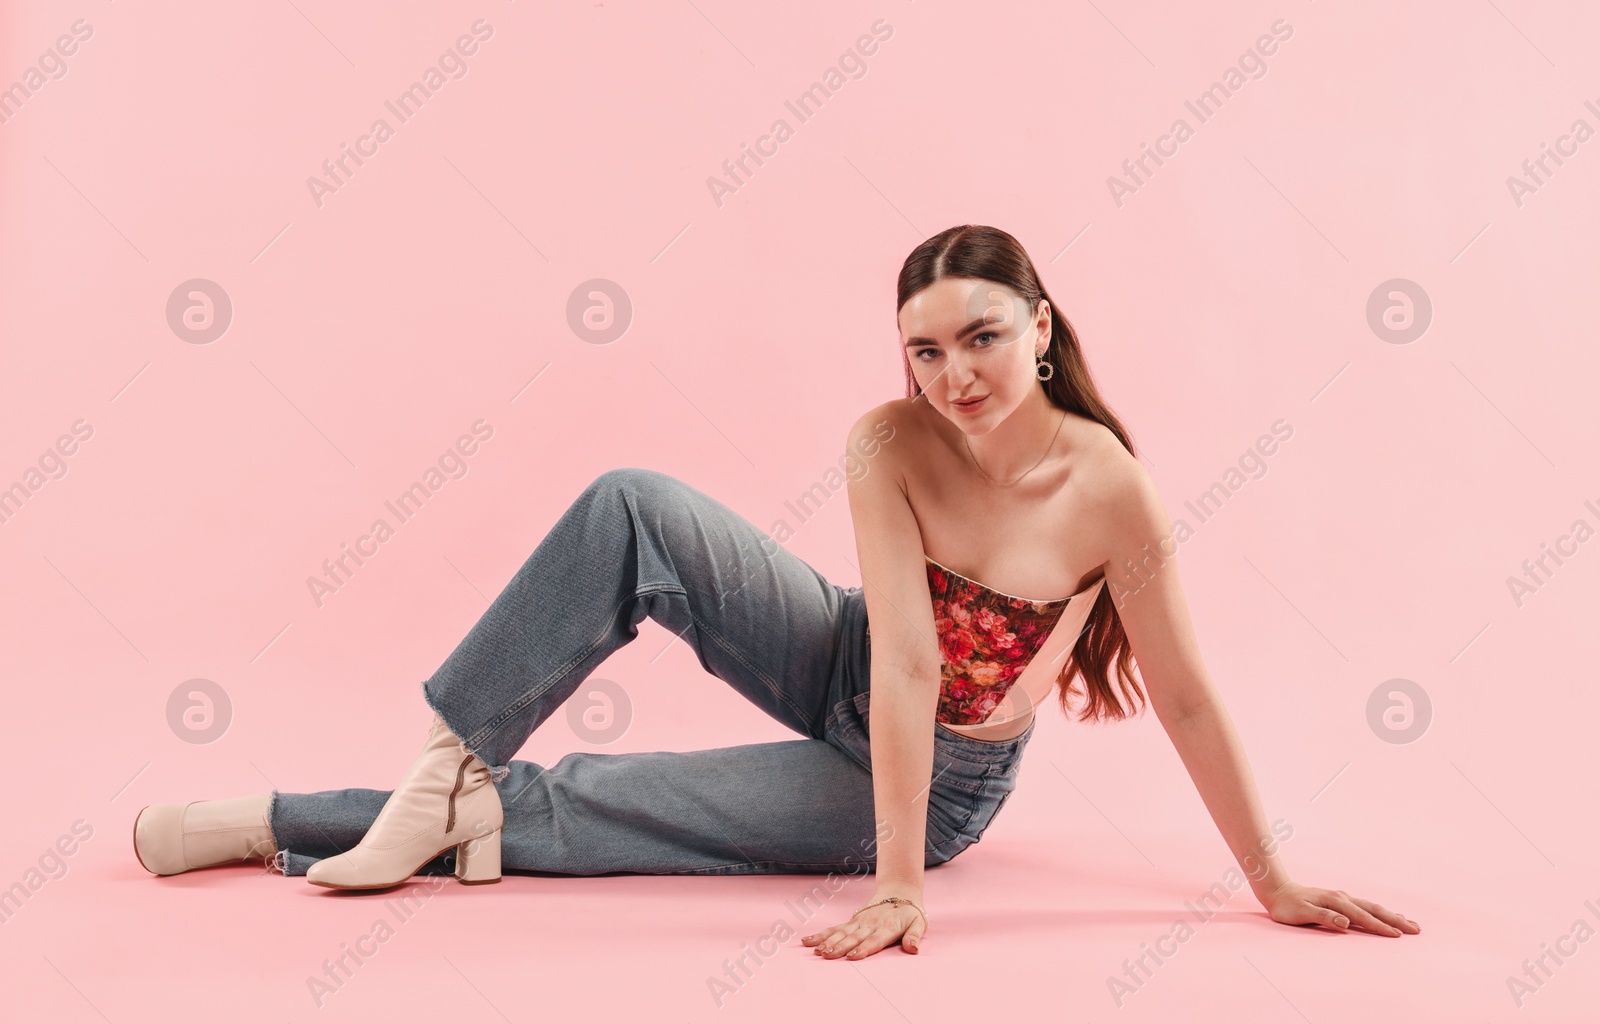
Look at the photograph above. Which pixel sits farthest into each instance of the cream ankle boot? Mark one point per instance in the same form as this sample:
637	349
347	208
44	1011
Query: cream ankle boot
170	839
445	800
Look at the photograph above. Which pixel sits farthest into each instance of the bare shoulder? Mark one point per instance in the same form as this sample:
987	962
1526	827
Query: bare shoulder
1118	489
895	414
893	429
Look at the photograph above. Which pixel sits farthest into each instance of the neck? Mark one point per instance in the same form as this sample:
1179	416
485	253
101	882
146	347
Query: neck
1015	446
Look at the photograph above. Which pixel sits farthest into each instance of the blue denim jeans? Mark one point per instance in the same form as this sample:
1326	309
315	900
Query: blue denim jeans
640	543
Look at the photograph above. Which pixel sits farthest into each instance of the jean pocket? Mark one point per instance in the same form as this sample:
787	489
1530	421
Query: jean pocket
1001	784
845	730
950	815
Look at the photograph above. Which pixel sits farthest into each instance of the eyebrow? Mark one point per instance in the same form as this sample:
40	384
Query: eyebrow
982	321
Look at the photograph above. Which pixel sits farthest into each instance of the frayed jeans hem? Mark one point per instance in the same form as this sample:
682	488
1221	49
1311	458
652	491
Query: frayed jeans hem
497	772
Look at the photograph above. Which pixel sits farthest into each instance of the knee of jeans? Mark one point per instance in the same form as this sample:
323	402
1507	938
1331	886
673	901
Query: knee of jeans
634	480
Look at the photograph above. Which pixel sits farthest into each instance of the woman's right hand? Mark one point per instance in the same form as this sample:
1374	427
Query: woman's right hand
871	930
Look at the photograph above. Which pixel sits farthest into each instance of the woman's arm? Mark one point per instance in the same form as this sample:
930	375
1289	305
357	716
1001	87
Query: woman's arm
1142	574
905	667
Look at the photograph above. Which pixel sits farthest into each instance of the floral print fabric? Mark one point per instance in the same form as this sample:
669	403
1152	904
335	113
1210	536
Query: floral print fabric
986	639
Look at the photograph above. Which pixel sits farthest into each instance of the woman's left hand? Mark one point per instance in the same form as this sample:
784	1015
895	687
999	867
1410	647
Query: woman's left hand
1291	903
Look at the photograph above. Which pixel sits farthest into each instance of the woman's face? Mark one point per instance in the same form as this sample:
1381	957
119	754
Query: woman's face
972	339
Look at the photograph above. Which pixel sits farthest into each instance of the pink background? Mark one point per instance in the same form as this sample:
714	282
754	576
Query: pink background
1228	292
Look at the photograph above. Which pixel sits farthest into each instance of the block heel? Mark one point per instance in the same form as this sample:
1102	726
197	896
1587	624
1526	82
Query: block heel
478	860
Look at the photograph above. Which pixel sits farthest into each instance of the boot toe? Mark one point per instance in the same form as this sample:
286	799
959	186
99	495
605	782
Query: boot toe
347	871
158	839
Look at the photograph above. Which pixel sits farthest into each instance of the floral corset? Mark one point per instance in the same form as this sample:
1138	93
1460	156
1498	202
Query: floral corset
986	639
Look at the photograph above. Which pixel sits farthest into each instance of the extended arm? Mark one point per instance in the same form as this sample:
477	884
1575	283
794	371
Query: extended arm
905	666
1142	574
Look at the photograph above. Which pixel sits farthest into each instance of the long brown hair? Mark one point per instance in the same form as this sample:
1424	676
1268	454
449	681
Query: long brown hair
987	253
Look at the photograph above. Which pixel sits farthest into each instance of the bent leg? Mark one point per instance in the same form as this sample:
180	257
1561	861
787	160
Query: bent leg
637	543
792	806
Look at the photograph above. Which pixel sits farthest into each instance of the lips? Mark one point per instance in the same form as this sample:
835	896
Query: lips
970	404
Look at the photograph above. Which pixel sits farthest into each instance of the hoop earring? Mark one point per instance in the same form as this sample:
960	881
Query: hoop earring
1040	368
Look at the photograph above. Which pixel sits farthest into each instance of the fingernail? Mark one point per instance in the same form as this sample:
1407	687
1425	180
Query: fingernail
1341	921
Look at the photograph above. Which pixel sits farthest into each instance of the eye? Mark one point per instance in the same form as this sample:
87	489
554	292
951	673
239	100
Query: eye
987	334
924	351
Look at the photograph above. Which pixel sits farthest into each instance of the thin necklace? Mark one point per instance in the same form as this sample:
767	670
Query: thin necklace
1031	468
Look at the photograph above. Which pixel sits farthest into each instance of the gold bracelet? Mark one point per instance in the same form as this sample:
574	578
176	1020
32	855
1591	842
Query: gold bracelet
896	899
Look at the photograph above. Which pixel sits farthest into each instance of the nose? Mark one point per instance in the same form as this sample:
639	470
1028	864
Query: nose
958	374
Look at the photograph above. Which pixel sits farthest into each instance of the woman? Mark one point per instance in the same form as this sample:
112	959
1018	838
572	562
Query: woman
1003	463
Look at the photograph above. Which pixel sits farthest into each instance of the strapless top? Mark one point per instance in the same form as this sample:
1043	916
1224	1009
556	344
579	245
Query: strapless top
986	639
